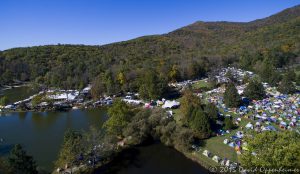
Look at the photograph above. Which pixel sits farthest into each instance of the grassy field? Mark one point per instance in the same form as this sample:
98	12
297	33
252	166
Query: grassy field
201	84
214	144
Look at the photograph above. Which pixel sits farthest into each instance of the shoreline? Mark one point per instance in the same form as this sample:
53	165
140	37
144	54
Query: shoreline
190	156
7	87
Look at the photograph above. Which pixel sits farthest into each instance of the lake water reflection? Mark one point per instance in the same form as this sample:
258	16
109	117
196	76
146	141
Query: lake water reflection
41	133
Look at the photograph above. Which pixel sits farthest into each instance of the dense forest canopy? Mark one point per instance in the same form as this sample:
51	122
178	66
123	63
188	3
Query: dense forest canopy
190	52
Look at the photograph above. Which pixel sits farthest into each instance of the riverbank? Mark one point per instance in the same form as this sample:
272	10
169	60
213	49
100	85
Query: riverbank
26	99
16	85
150	157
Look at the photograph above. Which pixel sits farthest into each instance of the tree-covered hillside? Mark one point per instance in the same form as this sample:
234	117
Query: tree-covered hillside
185	53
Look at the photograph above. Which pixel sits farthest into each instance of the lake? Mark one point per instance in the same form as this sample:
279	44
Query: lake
150	159
41	134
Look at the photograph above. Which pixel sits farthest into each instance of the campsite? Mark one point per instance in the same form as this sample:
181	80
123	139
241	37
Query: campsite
149	87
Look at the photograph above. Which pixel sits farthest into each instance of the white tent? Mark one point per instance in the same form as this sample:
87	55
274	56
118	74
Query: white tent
216	158
226	141
249	126
206	153
64	96
170	104
227	163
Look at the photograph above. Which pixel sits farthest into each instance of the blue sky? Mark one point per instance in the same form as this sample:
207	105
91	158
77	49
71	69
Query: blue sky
97	22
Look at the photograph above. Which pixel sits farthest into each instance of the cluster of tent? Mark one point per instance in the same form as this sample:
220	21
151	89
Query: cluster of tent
282	110
236	142
216	96
238	74
63	94
217	159
165	104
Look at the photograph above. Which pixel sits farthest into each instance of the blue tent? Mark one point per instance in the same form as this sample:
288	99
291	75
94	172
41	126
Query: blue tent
246	101
242	108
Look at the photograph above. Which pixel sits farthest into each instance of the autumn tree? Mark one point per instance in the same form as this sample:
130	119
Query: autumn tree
122	79
174	73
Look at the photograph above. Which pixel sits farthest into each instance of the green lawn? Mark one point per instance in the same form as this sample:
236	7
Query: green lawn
201	84
214	144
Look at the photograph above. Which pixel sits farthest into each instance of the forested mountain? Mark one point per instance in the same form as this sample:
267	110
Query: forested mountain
188	52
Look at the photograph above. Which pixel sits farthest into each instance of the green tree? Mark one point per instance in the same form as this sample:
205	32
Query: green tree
98	88
4	101
298	80
194	70
231	97
110	83
189	101
119	117
272	150
211	110
268	72
255	90
228	124
37	100
245	61
152	86
183	138
71	148
139	129
230	76
291	75
200	123
20	162
246	78
286	86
